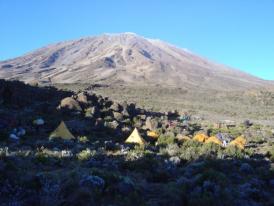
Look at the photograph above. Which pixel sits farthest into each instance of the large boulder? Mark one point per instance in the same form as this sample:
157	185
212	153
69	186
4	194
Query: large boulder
116	107
82	98
151	124
125	113
92	112
118	116
70	103
142	117
113	125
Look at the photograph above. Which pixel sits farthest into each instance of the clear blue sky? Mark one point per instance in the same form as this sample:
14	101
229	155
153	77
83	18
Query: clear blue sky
238	33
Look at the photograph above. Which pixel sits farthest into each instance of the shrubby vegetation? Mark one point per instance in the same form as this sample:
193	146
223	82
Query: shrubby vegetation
96	167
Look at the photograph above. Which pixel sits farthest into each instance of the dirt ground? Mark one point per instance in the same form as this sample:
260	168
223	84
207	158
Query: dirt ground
255	105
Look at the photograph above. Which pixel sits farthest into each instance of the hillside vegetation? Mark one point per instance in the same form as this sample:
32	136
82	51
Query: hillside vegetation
69	148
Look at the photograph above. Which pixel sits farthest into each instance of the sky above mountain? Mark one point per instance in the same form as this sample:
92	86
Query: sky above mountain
236	33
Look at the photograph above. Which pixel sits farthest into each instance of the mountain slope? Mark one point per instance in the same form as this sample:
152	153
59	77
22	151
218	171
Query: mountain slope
125	59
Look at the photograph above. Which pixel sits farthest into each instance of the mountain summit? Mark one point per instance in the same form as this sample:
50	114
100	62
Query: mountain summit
124	58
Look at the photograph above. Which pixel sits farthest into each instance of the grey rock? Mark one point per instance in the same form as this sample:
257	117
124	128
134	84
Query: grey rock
116	107
92	112
70	103
118	116
175	160
82	98
151	124
113	125
125	113
142	117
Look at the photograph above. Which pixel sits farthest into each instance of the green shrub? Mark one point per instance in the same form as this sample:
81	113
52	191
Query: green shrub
234	152
164	140
111	177
257	139
83	139
213	176
190	153
170	150
41	157
85	154
211	150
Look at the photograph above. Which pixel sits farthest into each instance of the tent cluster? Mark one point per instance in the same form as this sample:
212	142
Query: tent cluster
63	132
239	141
205	139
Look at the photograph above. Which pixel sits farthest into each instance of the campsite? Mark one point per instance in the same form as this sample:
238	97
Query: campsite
136	103
69	148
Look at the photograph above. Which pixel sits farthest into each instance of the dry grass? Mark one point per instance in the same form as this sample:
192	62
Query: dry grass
257	106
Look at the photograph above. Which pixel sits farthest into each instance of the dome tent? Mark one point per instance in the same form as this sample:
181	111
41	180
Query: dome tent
135	137
215	140
62	132
200	137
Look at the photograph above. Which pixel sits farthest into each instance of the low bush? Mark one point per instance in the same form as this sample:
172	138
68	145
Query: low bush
83	139
85	154
165	140
234	152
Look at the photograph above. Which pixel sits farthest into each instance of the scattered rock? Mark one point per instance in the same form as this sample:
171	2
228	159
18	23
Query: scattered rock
142	117
125	113
175	160
116	107
118	116
151	124
113	125
70	103
92	112
82	98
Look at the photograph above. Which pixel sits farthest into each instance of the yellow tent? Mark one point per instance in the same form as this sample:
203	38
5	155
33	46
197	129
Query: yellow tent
153	134
62	131
135	137
239	142
214	139
200	137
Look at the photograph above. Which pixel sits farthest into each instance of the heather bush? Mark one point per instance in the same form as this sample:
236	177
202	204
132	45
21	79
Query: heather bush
85	154
165	139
